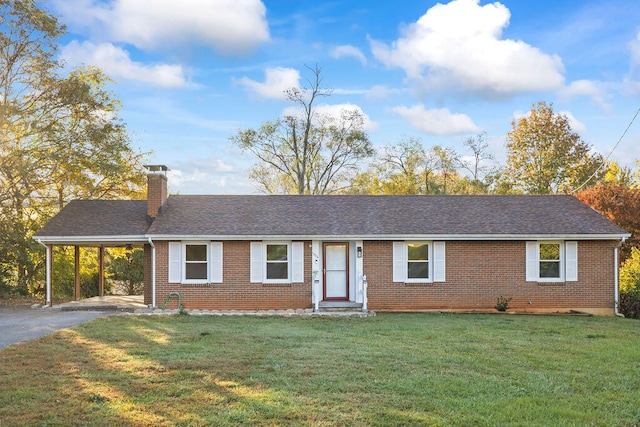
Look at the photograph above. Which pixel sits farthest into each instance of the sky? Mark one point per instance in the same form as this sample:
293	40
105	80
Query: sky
191	73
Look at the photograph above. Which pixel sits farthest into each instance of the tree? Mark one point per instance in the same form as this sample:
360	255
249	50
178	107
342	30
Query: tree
306	153
60	137
545	156
126	266
407	168
621	205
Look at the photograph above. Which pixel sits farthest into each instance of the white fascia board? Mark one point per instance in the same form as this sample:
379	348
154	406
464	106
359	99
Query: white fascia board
395	237
87	240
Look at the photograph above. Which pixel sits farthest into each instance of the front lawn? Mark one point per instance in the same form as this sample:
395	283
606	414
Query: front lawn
392	369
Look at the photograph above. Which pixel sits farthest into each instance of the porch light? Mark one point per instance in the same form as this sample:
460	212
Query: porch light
359	251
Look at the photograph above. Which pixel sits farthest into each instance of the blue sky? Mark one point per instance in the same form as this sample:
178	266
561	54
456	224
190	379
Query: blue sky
191	73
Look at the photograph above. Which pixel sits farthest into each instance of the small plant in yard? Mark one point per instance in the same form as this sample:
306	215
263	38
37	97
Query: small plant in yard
503	303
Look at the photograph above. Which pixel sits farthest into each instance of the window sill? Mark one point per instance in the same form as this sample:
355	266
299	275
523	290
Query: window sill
276	285
195	285
419	283
552	283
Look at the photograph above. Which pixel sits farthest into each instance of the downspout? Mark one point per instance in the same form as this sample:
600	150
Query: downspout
617	280
48	272
153	273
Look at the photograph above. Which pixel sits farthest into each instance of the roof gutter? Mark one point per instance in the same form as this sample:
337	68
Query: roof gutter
153	272
342	237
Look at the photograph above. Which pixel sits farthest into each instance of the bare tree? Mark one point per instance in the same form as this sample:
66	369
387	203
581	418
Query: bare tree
306	153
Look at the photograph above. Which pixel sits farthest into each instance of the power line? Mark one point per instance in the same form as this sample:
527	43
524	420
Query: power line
606	160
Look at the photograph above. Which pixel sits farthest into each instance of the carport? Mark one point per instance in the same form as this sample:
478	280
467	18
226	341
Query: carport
93	223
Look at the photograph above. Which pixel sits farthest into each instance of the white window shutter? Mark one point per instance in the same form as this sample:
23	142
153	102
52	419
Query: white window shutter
256	262
571	264
297	262
215	262
439	262
533	266
399	262
175	262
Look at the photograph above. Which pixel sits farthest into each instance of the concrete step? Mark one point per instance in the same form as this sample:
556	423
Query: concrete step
339	306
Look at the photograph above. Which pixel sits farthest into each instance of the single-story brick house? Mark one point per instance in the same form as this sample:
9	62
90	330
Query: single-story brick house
396	253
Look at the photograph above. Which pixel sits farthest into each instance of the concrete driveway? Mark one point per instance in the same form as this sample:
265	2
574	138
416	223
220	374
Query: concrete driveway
21	323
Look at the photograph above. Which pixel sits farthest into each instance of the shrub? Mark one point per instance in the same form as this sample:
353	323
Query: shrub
503	303
630	303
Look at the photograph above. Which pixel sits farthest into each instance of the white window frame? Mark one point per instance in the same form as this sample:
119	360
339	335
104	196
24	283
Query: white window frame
295	260
568	261
437	261
184	262
177	262
264	262
561	261
429	262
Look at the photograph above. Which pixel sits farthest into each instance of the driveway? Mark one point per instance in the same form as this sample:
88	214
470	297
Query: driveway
21	323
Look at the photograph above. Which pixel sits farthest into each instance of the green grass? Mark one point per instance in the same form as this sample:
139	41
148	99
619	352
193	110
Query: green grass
393	369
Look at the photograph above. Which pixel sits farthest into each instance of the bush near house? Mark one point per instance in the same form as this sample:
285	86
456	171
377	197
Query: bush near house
630	303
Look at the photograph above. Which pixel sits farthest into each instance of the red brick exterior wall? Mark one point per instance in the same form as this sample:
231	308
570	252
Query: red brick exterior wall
480	271
477	272
237	292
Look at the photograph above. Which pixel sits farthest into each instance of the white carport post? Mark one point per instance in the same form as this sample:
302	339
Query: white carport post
47	249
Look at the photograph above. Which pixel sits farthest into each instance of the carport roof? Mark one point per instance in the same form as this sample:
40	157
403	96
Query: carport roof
98	221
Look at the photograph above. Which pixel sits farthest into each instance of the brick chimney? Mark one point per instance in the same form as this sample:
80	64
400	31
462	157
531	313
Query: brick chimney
156	188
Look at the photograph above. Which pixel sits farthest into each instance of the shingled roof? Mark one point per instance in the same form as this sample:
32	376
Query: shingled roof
253	216
101	220
433	215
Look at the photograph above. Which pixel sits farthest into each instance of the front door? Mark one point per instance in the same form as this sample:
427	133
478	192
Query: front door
336	271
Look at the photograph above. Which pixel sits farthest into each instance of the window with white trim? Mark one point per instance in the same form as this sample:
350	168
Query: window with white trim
419	262
552	261
276	268
549	259
195	262
418	265
277	262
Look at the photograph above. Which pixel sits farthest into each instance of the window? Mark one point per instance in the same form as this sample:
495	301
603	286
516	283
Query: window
549	256
417	261
195	262
277	262
552	261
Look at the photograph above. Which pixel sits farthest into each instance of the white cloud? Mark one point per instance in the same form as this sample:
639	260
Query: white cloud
586	88
211	175
459	45
228	26
335	111
116	63
437	121
348	51
277	81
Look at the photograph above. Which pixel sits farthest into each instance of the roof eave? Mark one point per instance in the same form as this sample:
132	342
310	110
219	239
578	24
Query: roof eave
391	237
91	240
